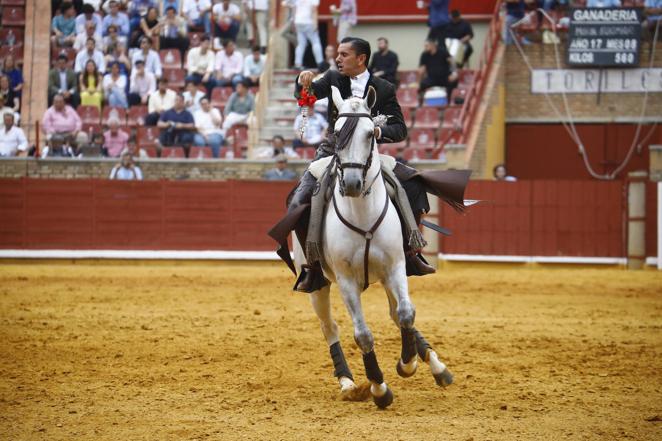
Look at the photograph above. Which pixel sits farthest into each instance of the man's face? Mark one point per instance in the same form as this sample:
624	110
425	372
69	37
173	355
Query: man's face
229	49
58	102
281	165
8	119
347	61
162	87
500	172
90	30
256	55
179	103
241	88
204	46
171	13
61	64
329	52
382	45
277	143
144	44
455	18
90	45
126	160
70	12
114	9
204	103
114	125
140	68
430	46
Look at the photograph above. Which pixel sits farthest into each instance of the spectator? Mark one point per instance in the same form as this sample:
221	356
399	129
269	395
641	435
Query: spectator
91	92
88	32
13	101
177	125
12	138
117	18
58	146
149	56
278	144
143	84
500	174
94	148
173	32
62	80
460	29
208	124
165	4
229	65
200	64
15	74
253	67
115	140
114	38
114	87
603	4
150	27
344	18
384	63
305	22
227	19
198	13
117	54
435	68
315	131
259	15
89	54
280	172
515	10
89	17
60	119
137	10
329	59
64	26
159	101
4	110
126	170
239	107
438	19
653	14
192	97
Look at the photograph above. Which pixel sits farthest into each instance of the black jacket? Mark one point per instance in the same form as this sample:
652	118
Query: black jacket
395	129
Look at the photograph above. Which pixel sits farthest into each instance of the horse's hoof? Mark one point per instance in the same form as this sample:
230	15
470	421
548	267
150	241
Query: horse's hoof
445	378
385	400
406	371
356	392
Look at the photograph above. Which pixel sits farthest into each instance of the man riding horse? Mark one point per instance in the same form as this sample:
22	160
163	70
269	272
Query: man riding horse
353	79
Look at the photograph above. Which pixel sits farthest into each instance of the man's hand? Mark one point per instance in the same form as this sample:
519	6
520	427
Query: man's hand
306	79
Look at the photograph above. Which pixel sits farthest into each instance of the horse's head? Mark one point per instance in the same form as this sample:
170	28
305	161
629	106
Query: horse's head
354	133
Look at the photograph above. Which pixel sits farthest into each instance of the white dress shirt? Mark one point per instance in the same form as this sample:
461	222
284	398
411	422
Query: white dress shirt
152	61
83	57
229	66
359	82
208	123
12	141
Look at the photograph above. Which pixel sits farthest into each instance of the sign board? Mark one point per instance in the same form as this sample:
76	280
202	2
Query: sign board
596	80
604	37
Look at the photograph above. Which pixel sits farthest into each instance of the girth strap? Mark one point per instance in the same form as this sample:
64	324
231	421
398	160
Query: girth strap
366	234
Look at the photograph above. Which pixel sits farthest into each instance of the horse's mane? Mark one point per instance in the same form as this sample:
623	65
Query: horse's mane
345	134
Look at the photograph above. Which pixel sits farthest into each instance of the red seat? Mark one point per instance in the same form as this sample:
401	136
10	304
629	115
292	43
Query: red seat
119	112
136	116
92	129
147	136
458	96
449	136
8	33
466	76
170	58
422	138
426	118
173	152
393	149
452	117
416	153
407	77
150	150
407	97
89	114
175	77
13	16
200	152
16	51
220	96
407	116
240	134
307	152
68	51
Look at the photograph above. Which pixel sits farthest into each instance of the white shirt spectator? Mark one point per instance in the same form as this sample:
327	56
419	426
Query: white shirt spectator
198	63
81	21
193	9
142	85
253	68
229	66
304	11
315	128
83	57
126	174
359	82
160	103
81	40
108	83
193	102
96	4
208	123
152	61
5	109
12	141
233	11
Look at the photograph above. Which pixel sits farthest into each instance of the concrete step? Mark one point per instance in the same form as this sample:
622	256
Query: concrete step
288	111
269	132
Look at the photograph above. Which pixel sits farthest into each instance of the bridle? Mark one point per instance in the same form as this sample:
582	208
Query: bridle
364	167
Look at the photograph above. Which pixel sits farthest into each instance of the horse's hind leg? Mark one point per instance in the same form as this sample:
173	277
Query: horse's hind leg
440	372
402	313
322	306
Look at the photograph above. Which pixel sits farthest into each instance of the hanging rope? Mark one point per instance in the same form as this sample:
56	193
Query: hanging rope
570	126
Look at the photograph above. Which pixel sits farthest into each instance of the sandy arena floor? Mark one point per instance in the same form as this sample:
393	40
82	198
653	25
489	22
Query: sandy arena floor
227	352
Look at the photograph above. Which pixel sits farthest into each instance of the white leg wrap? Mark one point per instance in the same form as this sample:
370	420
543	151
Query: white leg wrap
436	366
410	367
346	384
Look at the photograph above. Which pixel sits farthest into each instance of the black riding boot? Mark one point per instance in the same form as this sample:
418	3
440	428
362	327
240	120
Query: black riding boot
311	278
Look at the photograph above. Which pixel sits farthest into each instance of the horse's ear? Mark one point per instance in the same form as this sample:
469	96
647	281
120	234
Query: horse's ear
371	98
337	98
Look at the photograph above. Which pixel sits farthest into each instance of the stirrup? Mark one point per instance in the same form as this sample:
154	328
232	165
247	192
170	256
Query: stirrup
311	279
417	265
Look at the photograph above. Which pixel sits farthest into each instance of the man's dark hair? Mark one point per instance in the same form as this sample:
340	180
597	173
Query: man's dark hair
360	46
455	13
383	38
87	8
278	137
62	57
92	40
204	37
169	8
65	6
163	80
256	49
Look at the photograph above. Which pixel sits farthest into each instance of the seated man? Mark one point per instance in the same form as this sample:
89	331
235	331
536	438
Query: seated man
208	121
143	84
239	106
117	18
435	68
461	29
198	13
160	100
12	138
192	97
63	80
58	146
115	140
89	16
227	20
253	67
384	64
280	172
177	125
90	53
200	64
63	120
229	65
173	32
64	26
88	32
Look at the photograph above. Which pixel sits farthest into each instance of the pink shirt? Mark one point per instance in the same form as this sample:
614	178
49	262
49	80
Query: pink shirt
115	144
61	122
229	66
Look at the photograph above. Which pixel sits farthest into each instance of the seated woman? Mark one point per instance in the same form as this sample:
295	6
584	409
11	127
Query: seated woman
14	73
90	85
114	87
11	100
150	27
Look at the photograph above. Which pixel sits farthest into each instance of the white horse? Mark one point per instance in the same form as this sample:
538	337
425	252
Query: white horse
362	239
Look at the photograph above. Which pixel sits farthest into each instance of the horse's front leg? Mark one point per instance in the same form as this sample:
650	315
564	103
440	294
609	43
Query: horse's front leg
381	393
403	314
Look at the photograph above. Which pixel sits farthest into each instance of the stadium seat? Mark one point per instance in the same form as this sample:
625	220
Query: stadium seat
89	114
175	77
417	153
426	118
68	51
449	136
220	96
466	76
92	129
12	2
147	136
422	138
13	16
458	96
200	152
9	33
407	116
407	77
452	117
150	150
119	112
407	97
136	116
170	58
16	51
173	152
307	152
